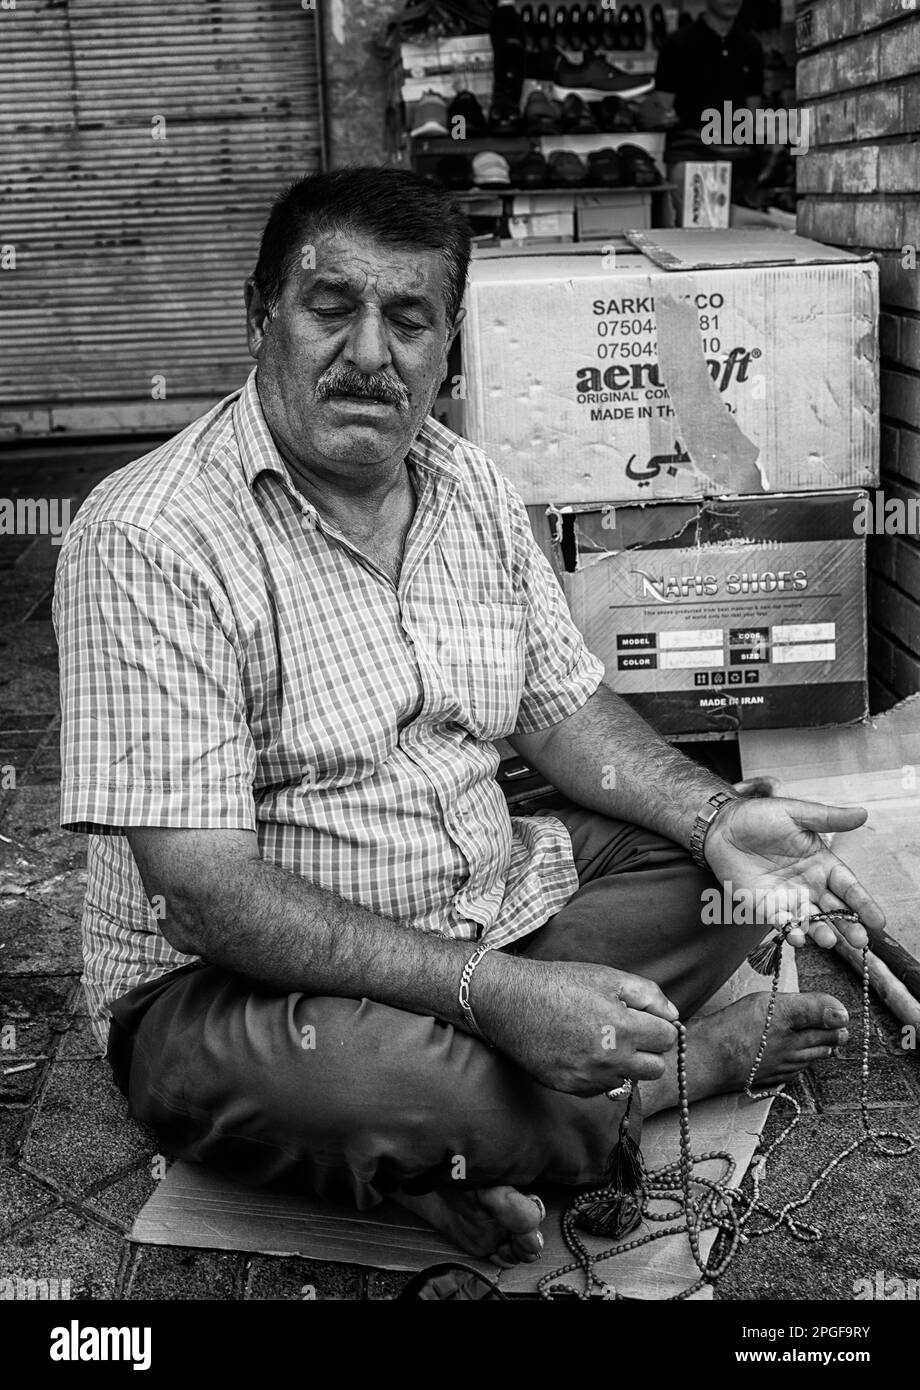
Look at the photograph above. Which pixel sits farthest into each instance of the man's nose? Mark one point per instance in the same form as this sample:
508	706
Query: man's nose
367	347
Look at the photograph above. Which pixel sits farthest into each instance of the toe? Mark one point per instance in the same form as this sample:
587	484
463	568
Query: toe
816	1011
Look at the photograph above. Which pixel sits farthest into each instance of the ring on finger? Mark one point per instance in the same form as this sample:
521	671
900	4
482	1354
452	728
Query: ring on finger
621	1092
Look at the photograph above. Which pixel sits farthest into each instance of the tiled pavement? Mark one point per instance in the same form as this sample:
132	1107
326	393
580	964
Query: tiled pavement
74	1170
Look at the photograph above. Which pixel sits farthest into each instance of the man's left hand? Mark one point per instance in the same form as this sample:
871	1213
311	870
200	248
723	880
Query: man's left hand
772	847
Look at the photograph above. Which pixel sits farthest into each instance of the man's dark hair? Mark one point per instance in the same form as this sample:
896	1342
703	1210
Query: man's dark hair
392	206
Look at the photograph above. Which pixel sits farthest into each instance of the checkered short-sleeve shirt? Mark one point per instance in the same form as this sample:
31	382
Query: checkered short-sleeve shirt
229	659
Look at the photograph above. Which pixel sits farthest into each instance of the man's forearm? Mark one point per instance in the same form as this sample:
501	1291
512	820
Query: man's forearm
288	935
607	758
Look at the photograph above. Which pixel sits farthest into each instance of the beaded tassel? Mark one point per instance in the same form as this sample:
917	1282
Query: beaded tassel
616	1210
766	957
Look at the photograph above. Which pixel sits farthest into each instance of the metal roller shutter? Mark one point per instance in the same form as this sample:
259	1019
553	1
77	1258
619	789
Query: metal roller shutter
143	144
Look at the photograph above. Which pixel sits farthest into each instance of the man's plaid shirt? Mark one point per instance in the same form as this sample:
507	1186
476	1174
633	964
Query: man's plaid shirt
229	659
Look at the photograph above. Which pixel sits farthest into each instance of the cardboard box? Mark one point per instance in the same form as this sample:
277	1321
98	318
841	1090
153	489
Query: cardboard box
698	364
542	226
704	192
720	615
600	215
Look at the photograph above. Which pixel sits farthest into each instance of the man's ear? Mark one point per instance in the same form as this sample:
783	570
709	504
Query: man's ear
257	317
455	329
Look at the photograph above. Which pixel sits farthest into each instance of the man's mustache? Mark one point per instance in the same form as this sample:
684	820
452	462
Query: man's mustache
377	387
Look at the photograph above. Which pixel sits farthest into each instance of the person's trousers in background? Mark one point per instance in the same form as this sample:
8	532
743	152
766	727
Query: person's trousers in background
349	1099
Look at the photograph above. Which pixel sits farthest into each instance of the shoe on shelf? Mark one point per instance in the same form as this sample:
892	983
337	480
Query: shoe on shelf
566	170
624	29
490	170
606	169
560	29
541	114
531	171
467	108
608	30
430	115
455	171
658	25
639	28
613	115
543	60
576	117
641	169
575	33
505	117
594	77
591	28
652	115
506	32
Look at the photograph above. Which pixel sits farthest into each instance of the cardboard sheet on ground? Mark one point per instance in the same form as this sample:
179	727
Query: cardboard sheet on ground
193	1206
876	765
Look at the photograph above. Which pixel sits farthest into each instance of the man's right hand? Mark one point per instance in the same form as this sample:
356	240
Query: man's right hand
574	1027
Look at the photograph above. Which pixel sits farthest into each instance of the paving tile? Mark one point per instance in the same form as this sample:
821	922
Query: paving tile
19	1196
122	1200
37	939
20	1080
79	1041
65	1246
386	1283
866	1212
31	816
14	1124
34	1015
174	1272
81	1133
837	1082
273	1277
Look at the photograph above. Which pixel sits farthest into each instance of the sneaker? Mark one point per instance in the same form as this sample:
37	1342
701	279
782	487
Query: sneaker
606	169
505	116
455	171
566	170
596	77
490	170
430	115
641	169
658	25
575	117
532	171
470	112
541	114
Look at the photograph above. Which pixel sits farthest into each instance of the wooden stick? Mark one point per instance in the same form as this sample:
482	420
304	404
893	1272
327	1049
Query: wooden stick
892	992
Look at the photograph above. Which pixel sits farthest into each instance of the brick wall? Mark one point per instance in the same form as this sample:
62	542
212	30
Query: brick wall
858	74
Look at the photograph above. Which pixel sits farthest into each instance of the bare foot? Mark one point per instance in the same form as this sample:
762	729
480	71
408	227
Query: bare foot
721	1047
495	1222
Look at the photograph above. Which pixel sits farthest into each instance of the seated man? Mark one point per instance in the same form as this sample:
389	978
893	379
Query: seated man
289	639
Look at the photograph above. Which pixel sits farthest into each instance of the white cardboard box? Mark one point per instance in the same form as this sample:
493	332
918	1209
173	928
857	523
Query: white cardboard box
715	616
704	191
697	363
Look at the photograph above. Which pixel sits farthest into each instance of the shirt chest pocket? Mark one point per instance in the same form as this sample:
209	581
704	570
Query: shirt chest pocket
488	665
